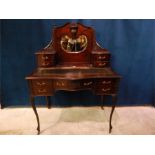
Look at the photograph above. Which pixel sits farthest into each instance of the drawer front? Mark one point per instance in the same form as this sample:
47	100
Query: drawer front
42	87
105	82
41	83
105	86
101	57
45	60
73	85
105	90
101	63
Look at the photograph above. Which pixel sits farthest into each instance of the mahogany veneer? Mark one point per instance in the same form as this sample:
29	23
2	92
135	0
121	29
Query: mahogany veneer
73	61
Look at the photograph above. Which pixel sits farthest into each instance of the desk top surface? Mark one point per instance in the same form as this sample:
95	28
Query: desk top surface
73	73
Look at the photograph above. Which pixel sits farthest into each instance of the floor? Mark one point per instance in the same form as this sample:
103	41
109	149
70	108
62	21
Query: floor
78	121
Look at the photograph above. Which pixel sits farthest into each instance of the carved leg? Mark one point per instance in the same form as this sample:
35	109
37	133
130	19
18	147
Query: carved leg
102	102
48	101
114	99
35	111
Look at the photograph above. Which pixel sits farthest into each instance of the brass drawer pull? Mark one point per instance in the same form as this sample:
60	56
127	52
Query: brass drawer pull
102	64
60	84
41	83
101	57
106	82
42	90
87	83
45	63
104	90
45	57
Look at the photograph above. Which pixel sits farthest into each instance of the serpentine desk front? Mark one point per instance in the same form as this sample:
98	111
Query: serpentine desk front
73	70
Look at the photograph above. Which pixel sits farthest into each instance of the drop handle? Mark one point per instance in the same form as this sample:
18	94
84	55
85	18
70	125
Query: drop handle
101	57
106	82
45	63
104	90
45	57
41	83
87	83
102	64
60	84
42	90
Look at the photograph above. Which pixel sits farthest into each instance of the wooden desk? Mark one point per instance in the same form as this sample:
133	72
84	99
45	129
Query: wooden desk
73	71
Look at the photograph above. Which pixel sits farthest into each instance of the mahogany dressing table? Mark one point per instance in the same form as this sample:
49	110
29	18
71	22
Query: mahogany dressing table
73	61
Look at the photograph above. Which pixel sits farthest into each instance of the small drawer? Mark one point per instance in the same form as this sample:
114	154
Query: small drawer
42	87
101	63
105	86
46	60
100	56
41	83
104	89
103	57
106	82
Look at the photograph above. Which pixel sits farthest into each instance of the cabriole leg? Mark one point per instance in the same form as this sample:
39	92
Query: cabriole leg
114	99
35	111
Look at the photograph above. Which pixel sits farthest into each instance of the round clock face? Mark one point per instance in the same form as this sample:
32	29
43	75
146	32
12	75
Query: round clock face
74	45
